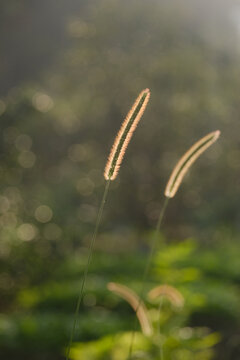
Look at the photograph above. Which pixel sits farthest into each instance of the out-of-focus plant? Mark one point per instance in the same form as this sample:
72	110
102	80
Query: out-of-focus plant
44	317
178	342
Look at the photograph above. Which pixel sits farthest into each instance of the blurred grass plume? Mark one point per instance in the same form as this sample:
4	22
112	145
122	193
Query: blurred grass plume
138	306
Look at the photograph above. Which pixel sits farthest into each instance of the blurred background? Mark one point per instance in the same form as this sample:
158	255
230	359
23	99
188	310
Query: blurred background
69	72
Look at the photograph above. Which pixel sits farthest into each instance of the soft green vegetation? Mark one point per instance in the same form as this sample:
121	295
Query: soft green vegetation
44	313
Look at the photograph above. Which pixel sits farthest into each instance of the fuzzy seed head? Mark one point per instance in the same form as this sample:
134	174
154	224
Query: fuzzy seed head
187	160
124	135
170	292
138	306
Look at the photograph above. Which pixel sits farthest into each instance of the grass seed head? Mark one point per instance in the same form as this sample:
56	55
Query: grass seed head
138	306
187	160
124	135
170	292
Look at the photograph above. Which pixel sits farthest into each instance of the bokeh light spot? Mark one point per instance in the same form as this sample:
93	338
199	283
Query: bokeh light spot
27	232
43	213
42	102
27	159
8	219
80	29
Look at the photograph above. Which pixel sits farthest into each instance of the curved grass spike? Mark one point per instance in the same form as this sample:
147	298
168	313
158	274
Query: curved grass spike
170	292
132	298
187	160
124	135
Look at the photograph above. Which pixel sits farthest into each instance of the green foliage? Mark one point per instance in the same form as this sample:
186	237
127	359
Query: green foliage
194	346
211	305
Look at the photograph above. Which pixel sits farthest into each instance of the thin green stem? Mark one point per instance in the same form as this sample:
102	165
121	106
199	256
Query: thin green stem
159	329
85	274
147	268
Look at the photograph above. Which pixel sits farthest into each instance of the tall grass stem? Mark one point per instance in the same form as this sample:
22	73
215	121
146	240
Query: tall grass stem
85	274
147	268
159	329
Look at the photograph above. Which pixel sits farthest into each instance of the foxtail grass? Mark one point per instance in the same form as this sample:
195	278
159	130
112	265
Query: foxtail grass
170	292
124	135
186	162
111	170
173	184
132	298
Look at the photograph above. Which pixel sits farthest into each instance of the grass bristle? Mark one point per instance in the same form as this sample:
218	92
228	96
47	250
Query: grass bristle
124	135
170	292
138	306
187	160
